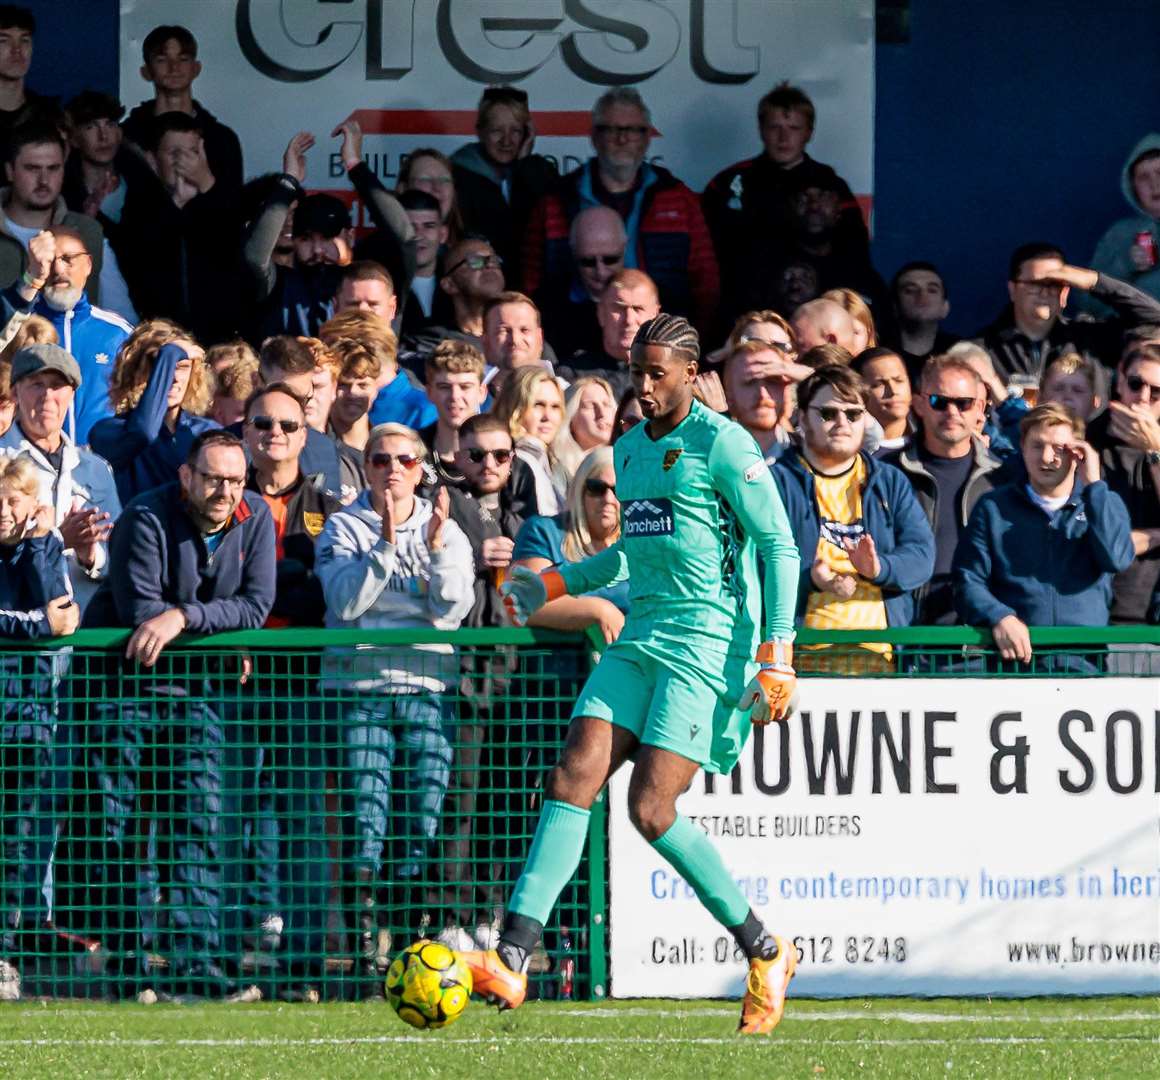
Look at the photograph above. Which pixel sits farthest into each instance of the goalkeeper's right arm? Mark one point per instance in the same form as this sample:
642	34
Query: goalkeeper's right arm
525	592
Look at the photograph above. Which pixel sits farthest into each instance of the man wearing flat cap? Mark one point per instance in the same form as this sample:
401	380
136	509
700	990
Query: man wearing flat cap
74	482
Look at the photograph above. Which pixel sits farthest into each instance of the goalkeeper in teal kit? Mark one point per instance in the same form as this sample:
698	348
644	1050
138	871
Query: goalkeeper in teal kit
685	680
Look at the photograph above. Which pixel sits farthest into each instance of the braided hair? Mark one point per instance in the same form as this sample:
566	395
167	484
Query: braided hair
670	332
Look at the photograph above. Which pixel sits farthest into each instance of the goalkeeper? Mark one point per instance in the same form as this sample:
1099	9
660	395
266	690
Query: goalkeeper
679	688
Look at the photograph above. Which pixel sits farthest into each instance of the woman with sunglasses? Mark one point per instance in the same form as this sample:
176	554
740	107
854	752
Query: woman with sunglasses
392	560
160	390
590	523
532	404
498	179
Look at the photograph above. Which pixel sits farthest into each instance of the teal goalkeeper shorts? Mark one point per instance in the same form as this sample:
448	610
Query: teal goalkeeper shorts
688	710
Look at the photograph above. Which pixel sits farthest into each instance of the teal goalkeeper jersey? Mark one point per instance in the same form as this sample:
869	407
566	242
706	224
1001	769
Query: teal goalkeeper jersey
697	507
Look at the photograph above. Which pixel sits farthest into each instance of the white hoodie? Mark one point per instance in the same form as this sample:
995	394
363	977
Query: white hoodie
371	584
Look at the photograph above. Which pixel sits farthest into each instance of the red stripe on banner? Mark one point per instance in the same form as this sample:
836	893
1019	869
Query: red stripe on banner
460	122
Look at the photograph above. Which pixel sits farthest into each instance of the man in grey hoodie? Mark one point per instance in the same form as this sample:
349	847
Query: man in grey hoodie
391	560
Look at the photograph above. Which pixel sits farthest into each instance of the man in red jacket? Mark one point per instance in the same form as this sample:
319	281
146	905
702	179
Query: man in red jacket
667	234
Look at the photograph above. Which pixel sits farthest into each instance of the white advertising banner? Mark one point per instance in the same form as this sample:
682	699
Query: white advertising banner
920	837
412	72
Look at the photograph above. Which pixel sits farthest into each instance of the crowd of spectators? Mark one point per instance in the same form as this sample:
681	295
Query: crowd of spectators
221	408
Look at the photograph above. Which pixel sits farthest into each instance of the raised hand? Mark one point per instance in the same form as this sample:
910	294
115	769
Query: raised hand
352	139
440	510
294	159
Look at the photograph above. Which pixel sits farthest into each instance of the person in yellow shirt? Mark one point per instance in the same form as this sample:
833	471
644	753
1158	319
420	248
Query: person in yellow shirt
864	541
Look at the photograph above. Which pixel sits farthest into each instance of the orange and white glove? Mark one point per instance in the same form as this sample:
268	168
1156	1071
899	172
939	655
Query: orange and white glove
770	693
524	592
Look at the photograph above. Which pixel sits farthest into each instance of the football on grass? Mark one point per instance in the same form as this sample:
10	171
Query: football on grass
428	985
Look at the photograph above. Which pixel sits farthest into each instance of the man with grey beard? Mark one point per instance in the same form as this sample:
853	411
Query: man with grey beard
91	334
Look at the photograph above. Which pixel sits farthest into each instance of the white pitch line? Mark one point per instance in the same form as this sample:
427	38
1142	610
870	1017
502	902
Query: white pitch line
903	1017
497	1040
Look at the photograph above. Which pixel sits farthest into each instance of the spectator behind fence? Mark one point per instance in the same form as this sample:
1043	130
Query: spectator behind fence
920	306
1003	405
759	389
628	301
865	330
864	542
165	728
33	330
498	180
323	383
171	65
294	361
93	184
430	170
235	377
180	234
35	603
275	433
512	338
589	523
1032	330
391	559
19	105
888	396
1127	438
160	391
532	405
32	202
93	336
1043	552
454	379
823	322
1073	380
425	305
75	482
628	413
597	242
588	410
472	276
749	204
1119	252
667	234
355	393
949	468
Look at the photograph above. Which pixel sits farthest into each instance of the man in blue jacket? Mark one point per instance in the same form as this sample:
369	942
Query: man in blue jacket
1042	552
864	540
196	556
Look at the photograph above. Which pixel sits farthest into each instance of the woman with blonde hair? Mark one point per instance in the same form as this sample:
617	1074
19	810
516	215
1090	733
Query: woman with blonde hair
532	405
160	391
589	524
589	406
865	334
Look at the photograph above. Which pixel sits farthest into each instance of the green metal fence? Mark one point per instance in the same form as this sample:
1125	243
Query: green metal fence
282	810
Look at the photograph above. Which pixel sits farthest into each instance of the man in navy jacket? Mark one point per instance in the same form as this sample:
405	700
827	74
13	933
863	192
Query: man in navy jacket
197	556
1043	551
864	540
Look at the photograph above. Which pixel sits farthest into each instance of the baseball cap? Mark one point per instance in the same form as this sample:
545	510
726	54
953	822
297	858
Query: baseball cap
45	357
323	214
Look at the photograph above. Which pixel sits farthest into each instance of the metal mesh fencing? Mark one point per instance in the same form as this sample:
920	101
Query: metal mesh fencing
283	819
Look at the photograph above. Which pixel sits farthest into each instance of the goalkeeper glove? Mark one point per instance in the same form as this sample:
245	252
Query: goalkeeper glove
771	692
524	591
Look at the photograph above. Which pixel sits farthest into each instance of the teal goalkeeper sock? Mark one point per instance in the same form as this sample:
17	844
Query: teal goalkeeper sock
698	862
552	860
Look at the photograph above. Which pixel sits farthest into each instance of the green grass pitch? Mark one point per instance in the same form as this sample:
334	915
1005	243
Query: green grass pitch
1057	1038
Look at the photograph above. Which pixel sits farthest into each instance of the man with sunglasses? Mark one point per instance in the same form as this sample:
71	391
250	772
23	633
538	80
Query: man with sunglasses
473	275
1033	330
859	528
597	239
392	559
195	556
950	469
666	232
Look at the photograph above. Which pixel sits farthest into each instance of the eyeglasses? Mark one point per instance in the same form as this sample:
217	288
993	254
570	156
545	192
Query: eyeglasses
784	347
830	413
475	455
622	131
437	181
1136	384
214	481
383	460
72	258
942	402
268	423
475	262
599	488
589	261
